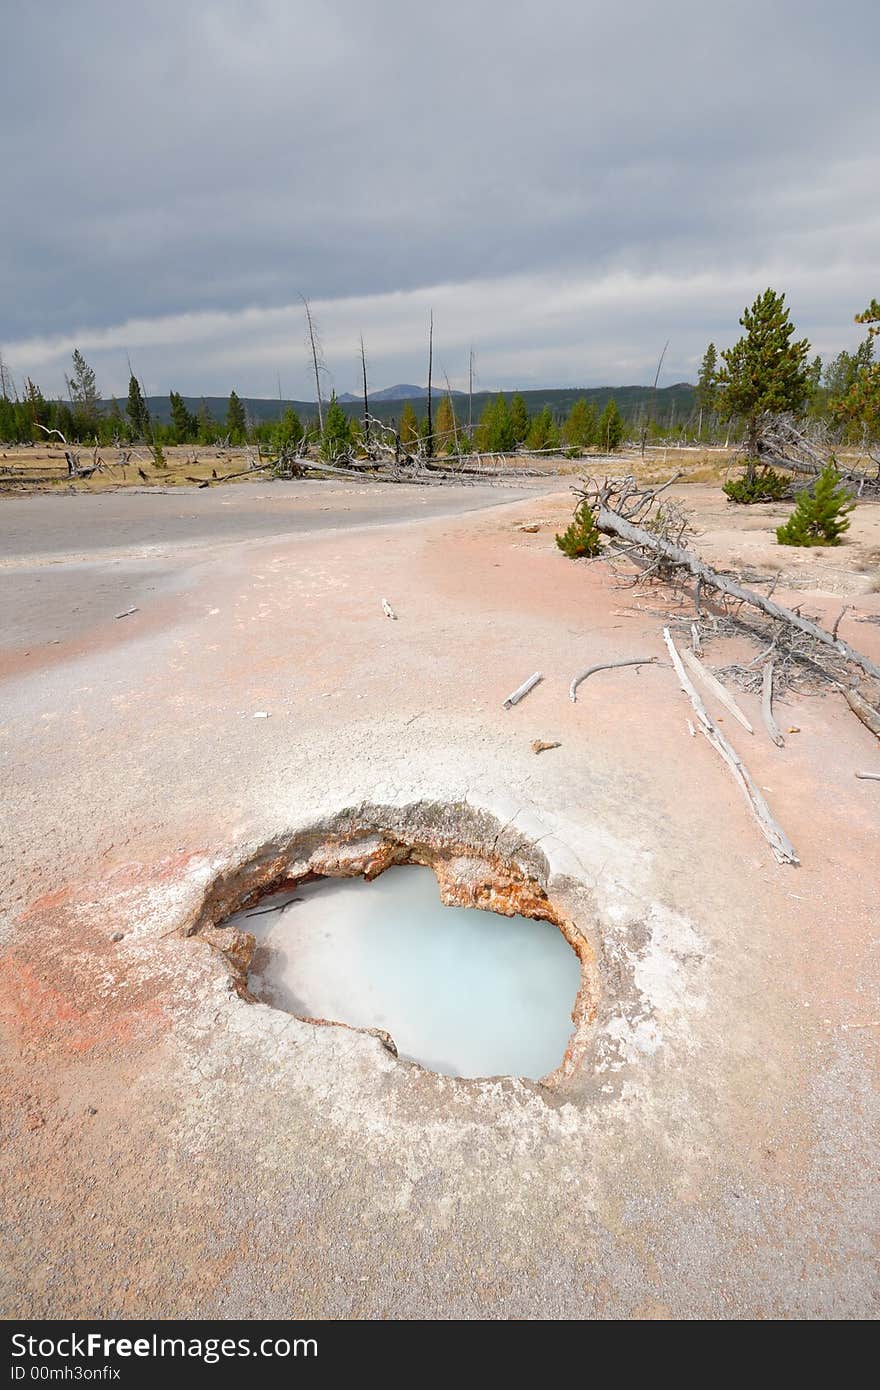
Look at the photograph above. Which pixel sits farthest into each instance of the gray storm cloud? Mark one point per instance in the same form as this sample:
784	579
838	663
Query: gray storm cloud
567	184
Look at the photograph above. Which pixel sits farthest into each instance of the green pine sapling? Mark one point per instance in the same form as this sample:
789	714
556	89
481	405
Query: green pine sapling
822	512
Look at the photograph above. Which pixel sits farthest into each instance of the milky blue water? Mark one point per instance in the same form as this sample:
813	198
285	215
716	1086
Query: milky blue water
463	992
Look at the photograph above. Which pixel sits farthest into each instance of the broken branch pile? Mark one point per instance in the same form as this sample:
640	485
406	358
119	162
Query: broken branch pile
783	443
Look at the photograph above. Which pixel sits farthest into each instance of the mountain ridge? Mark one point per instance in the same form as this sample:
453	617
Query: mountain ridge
634	402
403	391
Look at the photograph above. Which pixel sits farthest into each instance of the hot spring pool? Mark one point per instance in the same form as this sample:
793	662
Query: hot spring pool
463	992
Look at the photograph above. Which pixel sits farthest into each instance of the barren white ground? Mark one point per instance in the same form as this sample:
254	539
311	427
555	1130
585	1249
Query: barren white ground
172	1149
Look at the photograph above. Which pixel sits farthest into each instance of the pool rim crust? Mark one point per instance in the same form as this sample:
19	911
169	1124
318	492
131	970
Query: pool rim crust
477	861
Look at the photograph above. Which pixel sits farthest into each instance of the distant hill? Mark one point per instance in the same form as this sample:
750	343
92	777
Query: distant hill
397	393
668	403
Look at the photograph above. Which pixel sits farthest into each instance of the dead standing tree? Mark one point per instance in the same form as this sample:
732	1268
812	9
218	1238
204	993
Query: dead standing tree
317	360
366	400
429	437
654	395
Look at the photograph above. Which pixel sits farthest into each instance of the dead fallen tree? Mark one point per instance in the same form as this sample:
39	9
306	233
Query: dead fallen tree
619	503
776	837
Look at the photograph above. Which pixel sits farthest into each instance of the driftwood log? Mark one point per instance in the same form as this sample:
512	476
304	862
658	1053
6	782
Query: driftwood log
767	705
522	690
712	683
775	836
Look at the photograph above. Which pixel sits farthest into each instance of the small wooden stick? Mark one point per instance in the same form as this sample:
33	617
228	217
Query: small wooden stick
605	666
767	705
522	690
868	776
279	907
718	690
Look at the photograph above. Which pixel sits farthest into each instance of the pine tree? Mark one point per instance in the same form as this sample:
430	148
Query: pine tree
8	421
136	410
495	430
582	538
765	485
822	512
857	406
707	383
610	429
183	421
519	418
409	426
288	432
113	425
764	371
543	433
207	425
843	371
60	417
871	316
486	425
236	420
814	375
355	434
36	408
445	424
579	430
337	431
83	391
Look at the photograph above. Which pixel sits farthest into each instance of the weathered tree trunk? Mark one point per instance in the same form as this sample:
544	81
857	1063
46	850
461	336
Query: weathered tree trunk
752	443
776	837
767	705
315	363
366	398
868	715
429	441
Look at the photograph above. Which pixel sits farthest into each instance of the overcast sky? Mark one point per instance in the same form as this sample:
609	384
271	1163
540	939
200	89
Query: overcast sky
566	183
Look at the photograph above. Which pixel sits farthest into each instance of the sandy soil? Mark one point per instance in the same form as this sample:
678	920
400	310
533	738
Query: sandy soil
744	539
171	1149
